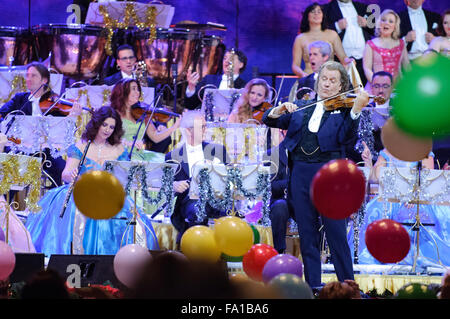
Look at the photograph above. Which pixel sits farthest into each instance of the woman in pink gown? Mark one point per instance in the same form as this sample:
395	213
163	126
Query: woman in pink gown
386	52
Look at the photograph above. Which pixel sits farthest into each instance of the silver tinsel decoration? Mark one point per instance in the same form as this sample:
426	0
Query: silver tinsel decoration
225	203
365	133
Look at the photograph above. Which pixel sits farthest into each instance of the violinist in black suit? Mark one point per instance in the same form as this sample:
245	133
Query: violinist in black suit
418	27
218	80
37	79
349	19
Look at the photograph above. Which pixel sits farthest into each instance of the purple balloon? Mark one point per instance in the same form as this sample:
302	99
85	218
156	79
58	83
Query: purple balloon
282	264
2	235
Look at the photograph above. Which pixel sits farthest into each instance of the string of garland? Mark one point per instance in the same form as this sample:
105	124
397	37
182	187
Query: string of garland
365	133
137	172
209	106
358	219
234	176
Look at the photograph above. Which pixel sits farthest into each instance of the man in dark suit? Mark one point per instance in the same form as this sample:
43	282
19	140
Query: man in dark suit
349	19
314	137
192	127
218	80
418	27
280	211
28	103
126	63
319	53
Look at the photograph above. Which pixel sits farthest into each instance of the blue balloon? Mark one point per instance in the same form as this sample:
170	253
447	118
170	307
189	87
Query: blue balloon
291	286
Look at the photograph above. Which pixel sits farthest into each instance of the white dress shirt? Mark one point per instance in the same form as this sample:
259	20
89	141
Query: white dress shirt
127	76
224	83
35	108
419	24
194	154
353	41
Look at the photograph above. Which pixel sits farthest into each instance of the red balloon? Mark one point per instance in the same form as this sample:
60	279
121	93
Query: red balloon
255	259
338	189
387	241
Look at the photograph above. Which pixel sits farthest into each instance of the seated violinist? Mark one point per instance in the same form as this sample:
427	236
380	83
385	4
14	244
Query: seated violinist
252	103
35	102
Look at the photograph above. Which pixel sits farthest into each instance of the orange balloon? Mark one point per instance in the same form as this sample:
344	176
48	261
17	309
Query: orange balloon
404	146
233	235
98	195
198	242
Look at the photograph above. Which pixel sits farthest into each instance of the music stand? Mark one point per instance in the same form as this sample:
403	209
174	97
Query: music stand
144	176
416	186
36	132
218	175
244	143
218	104
18	172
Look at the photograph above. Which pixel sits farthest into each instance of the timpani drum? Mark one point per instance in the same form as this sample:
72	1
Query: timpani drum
14	46
171	46
208	55
77	50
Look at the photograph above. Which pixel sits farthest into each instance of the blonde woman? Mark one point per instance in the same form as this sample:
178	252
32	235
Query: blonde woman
387	52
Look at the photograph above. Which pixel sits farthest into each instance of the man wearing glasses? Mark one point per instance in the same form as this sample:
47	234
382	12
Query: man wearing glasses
125	60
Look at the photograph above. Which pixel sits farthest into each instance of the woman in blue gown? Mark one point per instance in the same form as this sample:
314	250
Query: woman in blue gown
434	241
74	233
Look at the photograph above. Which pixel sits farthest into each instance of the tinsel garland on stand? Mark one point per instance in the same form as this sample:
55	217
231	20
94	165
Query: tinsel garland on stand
138	172
225	203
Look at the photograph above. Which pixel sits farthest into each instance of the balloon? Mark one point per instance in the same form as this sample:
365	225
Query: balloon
387	241
282	264
2	235
415	291
256	239
291	286
7	260
99	195
129	262
198	242
404	146
420	106
233	235
338	189
256	258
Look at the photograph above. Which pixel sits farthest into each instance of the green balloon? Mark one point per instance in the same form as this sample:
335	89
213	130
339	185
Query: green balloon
256	236
415	291
421	104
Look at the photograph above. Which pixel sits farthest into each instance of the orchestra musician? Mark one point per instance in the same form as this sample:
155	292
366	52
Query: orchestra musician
314	137
37	101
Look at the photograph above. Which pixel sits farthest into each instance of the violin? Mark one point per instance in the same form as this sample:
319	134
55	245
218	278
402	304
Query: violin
343	101
61	108
160	114
258	111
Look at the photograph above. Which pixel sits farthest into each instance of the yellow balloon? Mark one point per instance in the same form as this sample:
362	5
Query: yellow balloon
198	242
233	235
98	195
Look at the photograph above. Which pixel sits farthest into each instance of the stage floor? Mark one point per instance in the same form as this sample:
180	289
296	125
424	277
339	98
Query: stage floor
379	277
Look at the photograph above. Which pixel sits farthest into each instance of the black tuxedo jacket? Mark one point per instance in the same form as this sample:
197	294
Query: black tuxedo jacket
334	14
20	102
116	77
405	24
280	179
194	102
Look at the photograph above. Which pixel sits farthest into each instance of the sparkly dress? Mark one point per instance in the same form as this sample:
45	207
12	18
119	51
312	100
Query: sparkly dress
434	241
77	234
387	59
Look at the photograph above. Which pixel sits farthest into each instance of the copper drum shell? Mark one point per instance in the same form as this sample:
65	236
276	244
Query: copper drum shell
208	55
78	51
15	43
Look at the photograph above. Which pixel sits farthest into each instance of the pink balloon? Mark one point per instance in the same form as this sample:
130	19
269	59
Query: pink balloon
129	262
7	260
